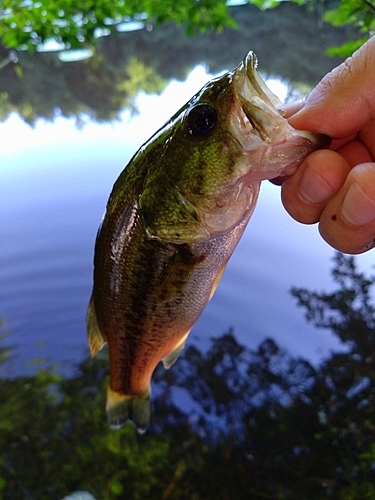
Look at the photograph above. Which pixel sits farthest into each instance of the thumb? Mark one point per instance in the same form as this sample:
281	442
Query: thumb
344	100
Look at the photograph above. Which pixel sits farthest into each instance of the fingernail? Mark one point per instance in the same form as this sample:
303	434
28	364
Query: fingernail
313	188
290	108
357	207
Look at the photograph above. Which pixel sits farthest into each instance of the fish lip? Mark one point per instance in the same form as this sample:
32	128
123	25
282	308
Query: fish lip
250	64
321	141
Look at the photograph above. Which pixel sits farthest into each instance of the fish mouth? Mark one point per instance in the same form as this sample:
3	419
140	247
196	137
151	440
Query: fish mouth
255	89
261	111
274	148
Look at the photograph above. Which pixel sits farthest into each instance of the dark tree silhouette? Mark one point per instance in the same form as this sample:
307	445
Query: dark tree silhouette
229	422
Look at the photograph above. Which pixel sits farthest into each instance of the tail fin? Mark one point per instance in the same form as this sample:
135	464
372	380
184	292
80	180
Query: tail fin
121	408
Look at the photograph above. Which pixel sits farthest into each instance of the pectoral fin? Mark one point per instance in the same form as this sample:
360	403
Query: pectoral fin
96	340
172	356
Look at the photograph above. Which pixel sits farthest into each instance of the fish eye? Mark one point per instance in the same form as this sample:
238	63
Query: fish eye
201	119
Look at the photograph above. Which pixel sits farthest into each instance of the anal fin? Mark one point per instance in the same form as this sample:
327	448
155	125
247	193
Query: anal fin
172	356
121	408
217	280
96	340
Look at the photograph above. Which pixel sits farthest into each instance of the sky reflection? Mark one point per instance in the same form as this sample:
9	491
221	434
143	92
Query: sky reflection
55	181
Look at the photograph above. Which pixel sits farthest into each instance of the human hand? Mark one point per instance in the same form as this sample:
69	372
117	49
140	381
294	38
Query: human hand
336	187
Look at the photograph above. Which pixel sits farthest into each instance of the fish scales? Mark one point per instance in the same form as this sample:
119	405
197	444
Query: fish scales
172	221
153	294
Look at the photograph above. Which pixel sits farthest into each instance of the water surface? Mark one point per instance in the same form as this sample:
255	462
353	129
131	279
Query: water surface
55	181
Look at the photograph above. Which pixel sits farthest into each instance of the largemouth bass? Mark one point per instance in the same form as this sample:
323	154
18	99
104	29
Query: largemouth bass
174	218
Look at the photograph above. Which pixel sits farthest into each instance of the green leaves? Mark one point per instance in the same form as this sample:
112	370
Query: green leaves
26	24
360	13
347	49
266	4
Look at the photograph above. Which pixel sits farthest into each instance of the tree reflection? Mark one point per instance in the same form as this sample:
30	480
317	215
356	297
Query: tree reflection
42	86
256	424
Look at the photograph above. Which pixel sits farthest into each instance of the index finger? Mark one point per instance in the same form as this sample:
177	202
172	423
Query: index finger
344	101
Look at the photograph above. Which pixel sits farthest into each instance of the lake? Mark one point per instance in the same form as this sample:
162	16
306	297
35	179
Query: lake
55	181
281	409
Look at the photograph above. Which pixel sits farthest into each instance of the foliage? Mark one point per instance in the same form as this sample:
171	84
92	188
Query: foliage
54	440
255	424
28	24
357	13
99	88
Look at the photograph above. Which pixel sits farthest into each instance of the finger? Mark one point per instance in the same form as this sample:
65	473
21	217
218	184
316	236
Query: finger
317	180
366	136
344	101
348	221
355	153
291	108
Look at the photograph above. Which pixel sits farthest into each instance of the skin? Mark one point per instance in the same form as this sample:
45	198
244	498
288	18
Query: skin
336	187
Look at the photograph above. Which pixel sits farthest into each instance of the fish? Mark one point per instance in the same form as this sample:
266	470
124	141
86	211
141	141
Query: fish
172	221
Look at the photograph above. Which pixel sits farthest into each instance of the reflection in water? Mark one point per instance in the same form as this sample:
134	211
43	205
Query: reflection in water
75	55
100	87
54	186
259	423
79	495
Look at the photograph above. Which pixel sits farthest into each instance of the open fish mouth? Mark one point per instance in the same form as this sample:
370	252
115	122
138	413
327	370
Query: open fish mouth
275	147
259	106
